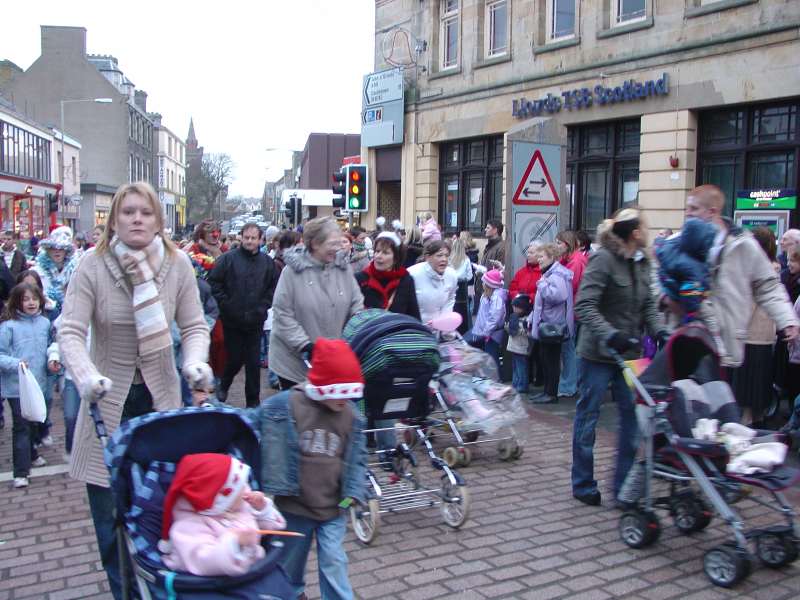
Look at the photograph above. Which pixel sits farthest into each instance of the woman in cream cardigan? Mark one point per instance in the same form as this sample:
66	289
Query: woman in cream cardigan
128	290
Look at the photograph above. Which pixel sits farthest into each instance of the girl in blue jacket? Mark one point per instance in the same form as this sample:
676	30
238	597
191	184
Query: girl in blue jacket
24	337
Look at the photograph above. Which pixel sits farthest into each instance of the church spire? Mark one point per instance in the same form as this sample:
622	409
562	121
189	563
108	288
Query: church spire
191	139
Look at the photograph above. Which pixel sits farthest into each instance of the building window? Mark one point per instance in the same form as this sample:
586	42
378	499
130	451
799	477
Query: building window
448	35
471	184
131	169
74	171
24	153
602	171
496	34
170	147
628	11
561	19
749	147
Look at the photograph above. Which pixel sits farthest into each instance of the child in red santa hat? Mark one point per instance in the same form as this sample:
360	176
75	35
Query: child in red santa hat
314	463
212	517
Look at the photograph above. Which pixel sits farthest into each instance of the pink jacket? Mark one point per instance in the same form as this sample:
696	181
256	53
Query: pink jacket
205	545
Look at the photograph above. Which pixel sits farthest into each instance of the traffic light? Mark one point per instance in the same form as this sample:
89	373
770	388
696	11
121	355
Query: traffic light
52	202
290	209
338	188
357	188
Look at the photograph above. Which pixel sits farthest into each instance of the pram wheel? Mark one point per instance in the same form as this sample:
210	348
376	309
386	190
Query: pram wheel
509	449
451	456
455	503
518	451
639	529
471	436
689	513
366	520
726	565
776	548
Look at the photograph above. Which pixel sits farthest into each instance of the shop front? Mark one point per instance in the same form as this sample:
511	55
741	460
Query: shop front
25	206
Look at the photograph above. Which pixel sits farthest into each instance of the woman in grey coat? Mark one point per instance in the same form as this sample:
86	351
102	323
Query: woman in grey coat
316	295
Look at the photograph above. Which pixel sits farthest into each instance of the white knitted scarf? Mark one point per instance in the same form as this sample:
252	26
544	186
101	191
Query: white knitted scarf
140	267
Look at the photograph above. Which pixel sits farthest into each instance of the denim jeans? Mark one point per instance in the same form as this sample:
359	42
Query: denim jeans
568	383
101	500
386	440
331	557
72	402
593	381
519	374
23	452
492	348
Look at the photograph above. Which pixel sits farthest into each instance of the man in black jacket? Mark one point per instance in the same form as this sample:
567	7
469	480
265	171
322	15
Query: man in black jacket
243	283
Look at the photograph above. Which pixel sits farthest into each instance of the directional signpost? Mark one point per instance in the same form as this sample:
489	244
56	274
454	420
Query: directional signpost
382	110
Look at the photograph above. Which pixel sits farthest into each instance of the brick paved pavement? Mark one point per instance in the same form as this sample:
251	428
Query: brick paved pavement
526	538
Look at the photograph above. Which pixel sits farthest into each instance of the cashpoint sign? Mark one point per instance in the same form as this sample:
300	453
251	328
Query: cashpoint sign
775	199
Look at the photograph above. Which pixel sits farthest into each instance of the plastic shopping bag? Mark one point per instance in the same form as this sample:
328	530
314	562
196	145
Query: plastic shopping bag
31	398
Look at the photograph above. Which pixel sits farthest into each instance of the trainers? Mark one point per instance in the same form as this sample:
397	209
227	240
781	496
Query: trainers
20	482
47	441
39	462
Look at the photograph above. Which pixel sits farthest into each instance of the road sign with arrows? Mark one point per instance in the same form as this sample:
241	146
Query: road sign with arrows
536	187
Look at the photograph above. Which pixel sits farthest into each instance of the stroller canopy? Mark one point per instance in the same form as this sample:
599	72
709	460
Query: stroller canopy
690	353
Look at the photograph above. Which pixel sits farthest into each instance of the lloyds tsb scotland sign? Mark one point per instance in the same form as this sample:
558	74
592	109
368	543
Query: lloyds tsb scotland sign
600	95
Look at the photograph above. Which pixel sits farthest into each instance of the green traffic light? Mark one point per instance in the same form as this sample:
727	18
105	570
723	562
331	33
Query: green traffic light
354	202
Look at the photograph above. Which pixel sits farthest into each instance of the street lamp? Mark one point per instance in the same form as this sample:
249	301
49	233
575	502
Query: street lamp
63	102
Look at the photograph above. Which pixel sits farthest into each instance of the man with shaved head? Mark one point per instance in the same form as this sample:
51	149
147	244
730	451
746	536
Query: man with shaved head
741	277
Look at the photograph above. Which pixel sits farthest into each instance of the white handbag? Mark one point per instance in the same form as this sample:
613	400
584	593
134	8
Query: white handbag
31	398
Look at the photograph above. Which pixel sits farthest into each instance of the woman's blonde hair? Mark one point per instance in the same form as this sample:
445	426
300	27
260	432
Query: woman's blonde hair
145	190
458	254
466	237
415	237
550	249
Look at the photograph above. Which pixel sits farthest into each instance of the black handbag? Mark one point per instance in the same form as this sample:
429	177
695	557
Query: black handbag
550	333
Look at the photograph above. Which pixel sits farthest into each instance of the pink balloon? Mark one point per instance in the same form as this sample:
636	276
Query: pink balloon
446	322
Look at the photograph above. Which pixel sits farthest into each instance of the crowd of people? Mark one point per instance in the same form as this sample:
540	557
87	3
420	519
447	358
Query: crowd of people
143	323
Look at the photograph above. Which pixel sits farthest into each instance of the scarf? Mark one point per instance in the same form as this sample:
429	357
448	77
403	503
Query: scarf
140	267
384	282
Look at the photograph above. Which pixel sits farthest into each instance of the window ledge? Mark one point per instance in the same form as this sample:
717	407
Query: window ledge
557	45
699	11
622	29
494	60
445	73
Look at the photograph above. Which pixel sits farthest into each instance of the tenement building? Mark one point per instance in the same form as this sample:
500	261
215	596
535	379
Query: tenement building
651	98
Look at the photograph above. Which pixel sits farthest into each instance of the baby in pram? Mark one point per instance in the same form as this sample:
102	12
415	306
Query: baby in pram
212	517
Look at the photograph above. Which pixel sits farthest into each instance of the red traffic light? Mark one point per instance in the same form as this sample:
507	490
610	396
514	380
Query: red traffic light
355	176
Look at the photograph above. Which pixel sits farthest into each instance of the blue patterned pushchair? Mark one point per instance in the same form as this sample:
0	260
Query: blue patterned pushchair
142	456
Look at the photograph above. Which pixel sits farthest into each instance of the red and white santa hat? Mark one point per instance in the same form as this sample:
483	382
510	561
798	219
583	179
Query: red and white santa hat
335	372
210	482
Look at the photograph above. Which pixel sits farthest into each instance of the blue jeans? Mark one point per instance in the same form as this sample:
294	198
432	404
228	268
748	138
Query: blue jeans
568	384
72	402
593	380
492	348
22	450
331	557
386	440
101	501
519	373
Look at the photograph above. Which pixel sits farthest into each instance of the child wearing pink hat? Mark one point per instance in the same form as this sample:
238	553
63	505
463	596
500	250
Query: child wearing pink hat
487	332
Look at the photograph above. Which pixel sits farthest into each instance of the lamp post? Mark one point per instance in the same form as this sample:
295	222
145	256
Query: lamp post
63	156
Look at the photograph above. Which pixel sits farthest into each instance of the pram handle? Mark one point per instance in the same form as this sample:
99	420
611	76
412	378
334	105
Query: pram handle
621	364
97	419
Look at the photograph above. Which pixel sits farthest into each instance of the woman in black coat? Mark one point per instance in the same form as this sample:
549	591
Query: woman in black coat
384	282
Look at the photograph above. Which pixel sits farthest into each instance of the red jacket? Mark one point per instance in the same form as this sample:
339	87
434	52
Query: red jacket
576	262
524	281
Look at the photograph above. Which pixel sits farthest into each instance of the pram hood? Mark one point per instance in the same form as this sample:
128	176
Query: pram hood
690	353
168	436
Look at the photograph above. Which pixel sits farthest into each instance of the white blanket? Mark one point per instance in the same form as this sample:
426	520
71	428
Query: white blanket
747	458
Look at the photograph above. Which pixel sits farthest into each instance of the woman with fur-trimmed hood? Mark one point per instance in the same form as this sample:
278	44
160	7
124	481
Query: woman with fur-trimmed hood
614	306
316	295
55	262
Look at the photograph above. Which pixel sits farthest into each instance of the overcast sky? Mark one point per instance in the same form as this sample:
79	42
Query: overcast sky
254	75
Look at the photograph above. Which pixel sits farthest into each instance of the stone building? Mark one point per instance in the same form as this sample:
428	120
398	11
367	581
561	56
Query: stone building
170	165
116	136
649	98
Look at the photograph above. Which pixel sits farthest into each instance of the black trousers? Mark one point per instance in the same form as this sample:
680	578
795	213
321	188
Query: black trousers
550	358
243	347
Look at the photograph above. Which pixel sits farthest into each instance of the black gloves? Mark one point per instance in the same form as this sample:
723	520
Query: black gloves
307	351
661	338
621	343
